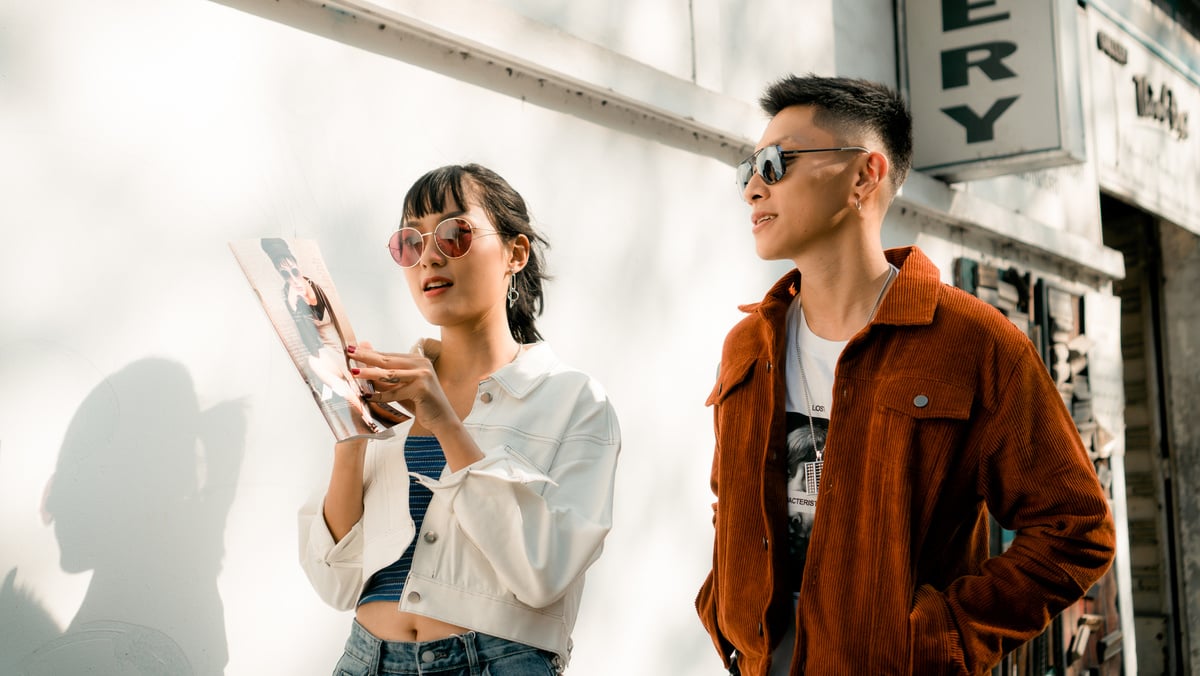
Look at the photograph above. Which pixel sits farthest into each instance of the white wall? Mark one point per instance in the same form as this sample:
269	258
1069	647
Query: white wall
732	48
655	32
138	138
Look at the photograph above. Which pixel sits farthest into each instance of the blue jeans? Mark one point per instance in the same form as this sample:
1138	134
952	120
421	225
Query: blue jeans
471	654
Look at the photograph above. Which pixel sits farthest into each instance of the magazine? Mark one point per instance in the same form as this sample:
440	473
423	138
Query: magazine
295	289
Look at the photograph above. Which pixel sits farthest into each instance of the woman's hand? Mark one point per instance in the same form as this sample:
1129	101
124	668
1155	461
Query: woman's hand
407	378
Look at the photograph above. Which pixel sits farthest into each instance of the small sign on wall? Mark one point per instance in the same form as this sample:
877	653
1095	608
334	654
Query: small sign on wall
1146	113
994	85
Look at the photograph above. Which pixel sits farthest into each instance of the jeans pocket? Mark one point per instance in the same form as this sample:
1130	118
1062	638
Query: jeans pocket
528	663
349	665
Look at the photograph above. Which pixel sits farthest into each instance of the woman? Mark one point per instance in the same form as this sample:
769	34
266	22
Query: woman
506	469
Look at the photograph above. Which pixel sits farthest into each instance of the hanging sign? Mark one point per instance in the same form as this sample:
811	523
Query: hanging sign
993	85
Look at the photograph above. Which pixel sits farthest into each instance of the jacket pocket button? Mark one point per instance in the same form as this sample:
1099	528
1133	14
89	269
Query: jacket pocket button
414	597
430	537
486	397
920	401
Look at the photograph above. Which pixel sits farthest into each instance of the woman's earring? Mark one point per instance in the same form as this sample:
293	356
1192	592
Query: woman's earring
858	204
513	294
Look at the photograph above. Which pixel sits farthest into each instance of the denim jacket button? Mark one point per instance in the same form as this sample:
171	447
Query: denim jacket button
414	597
431	537
486	397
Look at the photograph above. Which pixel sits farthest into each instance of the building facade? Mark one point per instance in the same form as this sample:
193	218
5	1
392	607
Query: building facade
1057	179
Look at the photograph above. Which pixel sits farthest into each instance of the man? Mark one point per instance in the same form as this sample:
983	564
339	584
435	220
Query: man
930	408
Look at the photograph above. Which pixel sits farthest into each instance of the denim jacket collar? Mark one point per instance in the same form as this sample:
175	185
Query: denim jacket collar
522	375
529	369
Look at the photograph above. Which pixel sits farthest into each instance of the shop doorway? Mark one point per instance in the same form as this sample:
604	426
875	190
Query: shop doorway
1151	493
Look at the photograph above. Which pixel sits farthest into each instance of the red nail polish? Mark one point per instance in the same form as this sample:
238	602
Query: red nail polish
350	349
354	371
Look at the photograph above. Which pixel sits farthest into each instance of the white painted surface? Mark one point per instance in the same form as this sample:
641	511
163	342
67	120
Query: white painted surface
141	136
657	33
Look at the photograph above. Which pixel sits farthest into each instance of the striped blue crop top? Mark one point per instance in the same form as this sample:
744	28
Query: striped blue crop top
424	456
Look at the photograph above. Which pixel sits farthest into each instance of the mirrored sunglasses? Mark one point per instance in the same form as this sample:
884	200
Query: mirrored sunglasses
770	163
452	237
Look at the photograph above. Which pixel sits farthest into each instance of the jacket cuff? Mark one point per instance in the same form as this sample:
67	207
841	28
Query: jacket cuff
323	548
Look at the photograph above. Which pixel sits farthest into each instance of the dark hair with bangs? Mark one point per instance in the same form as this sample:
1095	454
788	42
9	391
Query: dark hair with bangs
850	105
431	193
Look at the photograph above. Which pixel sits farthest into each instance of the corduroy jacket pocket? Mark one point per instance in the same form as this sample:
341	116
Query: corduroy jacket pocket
924	398
919	423
935	647
729	378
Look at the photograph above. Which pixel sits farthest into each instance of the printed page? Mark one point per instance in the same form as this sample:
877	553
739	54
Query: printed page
296	291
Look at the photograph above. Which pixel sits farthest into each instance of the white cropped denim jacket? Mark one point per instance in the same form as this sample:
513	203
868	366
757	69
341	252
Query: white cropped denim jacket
506	540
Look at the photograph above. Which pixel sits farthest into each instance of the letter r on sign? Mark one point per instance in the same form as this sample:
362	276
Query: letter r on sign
957	63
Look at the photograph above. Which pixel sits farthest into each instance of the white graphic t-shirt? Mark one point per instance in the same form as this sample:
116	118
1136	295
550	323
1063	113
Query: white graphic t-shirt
804	469
820	361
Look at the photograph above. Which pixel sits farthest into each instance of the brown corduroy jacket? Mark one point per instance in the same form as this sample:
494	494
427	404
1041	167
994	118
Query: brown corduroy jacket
942	412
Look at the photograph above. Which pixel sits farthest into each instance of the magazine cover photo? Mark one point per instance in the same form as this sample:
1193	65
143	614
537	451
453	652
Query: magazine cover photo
296	291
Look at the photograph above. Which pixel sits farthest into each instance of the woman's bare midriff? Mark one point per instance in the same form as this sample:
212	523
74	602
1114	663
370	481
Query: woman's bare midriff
385	621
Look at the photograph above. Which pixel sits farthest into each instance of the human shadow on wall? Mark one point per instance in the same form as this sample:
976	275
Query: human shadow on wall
140	495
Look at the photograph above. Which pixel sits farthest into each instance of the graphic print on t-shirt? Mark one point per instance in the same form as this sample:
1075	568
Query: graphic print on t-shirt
804	469
803	477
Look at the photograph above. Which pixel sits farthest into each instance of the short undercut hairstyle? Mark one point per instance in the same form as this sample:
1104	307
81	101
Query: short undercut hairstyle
851	107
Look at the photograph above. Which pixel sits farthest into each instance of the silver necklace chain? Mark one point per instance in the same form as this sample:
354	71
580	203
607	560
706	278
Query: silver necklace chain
812	430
